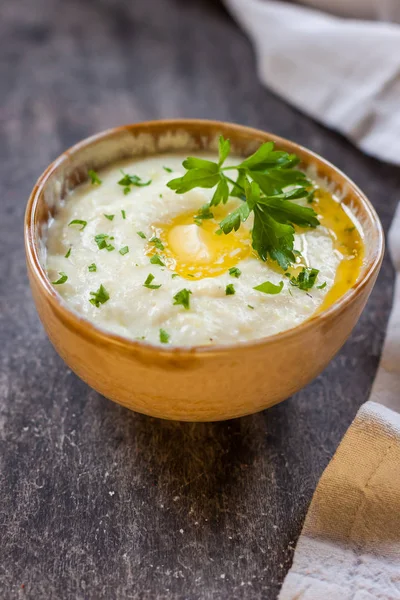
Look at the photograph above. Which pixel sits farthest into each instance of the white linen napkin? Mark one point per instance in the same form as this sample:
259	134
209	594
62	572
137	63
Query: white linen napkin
349	548
343	72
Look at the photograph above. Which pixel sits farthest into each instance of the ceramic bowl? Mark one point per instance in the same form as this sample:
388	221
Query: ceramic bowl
200	383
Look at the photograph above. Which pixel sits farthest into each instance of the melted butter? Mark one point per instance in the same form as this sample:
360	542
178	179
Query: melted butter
347	241
195	250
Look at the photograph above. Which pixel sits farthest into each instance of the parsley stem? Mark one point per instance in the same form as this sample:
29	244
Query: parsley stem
234	183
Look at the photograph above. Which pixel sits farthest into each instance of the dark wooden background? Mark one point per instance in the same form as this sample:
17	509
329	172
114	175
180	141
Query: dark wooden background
97	502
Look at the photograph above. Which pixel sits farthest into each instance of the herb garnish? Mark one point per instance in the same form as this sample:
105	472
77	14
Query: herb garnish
174	275
128	180
68	252
156	260
141	234
92	268
124	250
322	286
305	279
164	336
123	213
183	298
148	283
63	278
235	272
250	306
204	213
269	288
99	297
94	178
230	289
168	170
109	217
78	222
157	243
267	182
101	241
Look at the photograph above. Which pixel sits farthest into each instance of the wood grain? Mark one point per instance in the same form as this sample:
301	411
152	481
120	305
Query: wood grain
97	502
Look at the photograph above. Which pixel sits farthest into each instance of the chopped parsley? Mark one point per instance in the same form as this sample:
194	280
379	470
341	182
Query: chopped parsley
94	178
127	181
99	297
267	182
349	229
67	254
230	290
204	213
124	250
174	275
78	222
157	243
305	279
183	298
109	217
322	286
250	306
148	283
63	279
102	243
235	272
141	234
92	268
164	336
168	170
269	288
156	260
123	213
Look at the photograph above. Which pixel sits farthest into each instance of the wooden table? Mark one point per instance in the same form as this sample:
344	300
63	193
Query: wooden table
97	502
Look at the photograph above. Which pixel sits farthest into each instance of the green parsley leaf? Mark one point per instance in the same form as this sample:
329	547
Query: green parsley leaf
94	178
194	178
235	218
230	290
148	283
124	250
322	286
221	194
123	213
204	213
99	297
200	164
78	222
164	336
224	147
141	234
131	180
156	260
235	272
305	279
183	298
269	288
174	275
109	217
250	306
63	278
92	268
168	170
157	243
67	254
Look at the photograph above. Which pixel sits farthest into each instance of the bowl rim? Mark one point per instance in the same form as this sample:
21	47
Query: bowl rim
73	320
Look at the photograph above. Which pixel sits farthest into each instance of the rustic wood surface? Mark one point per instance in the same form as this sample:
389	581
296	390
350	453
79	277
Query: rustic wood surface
97	502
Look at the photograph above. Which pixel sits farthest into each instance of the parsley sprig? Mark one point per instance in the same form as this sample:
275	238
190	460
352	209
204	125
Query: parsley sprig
127	181
267	182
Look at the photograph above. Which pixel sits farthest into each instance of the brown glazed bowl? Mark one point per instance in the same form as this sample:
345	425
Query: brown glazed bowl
199	383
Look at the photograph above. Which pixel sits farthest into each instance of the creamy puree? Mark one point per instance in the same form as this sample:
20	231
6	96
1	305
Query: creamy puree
195	259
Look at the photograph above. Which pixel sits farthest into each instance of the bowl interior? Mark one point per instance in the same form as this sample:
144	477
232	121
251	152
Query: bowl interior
156	137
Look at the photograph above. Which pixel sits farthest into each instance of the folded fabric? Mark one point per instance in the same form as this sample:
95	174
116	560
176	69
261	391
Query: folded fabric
343	72
349	548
